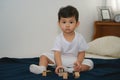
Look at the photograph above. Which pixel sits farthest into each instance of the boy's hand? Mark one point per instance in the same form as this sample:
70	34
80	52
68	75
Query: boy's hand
77	66
57	69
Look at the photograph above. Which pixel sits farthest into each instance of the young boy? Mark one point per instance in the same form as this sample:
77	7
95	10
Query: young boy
69	48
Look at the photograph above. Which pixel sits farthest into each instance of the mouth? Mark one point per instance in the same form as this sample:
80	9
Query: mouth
67	29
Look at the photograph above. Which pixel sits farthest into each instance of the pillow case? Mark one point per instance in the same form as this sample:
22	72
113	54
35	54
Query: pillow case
106	46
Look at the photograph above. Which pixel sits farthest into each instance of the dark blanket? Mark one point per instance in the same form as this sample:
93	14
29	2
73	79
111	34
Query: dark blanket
18	69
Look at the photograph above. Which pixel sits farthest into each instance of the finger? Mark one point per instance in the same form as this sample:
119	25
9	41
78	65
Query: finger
56	71
77	64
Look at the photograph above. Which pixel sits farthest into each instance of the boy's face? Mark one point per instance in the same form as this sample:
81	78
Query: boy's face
68	25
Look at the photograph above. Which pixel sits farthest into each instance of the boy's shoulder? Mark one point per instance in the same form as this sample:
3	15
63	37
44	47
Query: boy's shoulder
78	34
59	36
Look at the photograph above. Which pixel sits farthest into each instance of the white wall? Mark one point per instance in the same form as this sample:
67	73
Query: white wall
29	27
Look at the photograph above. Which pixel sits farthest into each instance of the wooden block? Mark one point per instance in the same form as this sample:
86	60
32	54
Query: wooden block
45	72
65	75
60	72
76	74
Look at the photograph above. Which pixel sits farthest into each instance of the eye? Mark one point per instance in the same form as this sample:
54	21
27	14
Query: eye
71	22
63	22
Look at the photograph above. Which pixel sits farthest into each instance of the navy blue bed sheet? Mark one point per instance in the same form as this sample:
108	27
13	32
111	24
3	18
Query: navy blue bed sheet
18	69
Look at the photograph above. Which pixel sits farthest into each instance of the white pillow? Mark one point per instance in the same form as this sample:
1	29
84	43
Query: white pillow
106	46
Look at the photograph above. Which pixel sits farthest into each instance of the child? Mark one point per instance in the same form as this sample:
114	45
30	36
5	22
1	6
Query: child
69	48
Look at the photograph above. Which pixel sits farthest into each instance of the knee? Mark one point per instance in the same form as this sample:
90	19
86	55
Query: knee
43	56
89	63
85	67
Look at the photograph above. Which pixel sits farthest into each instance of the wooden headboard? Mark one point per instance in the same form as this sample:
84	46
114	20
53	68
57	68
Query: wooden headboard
102	28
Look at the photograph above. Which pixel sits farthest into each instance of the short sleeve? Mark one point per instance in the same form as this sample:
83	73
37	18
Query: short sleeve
57	45
83	44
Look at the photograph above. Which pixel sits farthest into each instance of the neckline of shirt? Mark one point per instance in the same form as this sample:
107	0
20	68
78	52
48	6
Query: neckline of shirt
68	41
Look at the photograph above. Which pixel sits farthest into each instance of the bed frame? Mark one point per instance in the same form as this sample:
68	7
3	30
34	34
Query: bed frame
104	28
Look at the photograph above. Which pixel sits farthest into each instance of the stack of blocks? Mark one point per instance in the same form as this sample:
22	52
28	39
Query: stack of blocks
65	74
62	73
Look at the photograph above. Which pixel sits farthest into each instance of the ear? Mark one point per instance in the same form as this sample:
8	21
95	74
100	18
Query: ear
58	23
78	23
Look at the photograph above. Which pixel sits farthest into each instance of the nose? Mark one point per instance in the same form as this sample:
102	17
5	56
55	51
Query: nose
67	24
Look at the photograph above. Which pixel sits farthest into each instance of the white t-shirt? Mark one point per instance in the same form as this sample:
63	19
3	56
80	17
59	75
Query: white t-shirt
72	48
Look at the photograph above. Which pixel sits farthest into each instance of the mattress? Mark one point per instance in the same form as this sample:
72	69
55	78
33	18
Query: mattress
18	69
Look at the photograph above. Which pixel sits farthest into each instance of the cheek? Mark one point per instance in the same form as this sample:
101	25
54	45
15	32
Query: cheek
62	26
72	27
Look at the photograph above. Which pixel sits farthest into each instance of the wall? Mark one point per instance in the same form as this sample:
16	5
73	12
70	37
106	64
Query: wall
29	27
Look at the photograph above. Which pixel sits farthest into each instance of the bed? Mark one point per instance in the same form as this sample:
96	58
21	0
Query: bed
104	51
18	69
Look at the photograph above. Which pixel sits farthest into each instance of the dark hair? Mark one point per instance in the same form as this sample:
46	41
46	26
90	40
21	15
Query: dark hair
68	11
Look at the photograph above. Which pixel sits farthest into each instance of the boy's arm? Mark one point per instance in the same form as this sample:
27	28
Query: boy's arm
79	61
81	56
57	56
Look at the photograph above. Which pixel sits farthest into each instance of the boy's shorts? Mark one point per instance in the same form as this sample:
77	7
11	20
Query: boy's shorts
68	61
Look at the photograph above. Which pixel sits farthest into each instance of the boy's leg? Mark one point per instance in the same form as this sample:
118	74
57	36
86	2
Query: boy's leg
37	69
87	64
84	68
43	63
